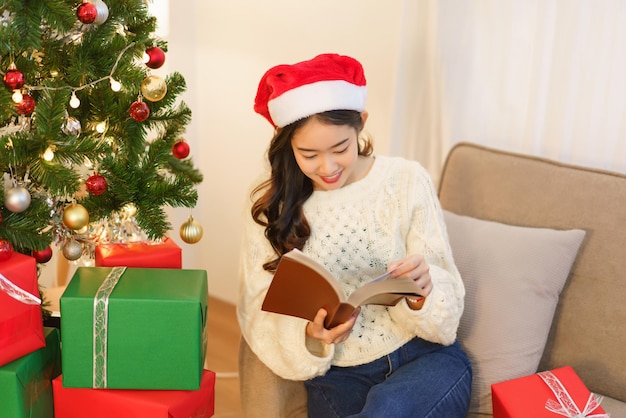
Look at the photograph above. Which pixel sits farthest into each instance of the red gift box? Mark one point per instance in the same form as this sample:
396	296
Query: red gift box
165	255
106	403
21	323
550	394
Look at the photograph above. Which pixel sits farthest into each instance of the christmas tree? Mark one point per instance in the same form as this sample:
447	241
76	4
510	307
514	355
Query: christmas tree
89	136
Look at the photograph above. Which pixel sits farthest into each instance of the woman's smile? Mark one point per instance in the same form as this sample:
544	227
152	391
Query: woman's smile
331	179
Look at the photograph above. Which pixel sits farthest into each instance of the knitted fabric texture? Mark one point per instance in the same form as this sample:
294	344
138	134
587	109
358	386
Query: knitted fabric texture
357	231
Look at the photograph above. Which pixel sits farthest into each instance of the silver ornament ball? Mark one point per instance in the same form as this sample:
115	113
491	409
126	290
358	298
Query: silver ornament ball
72	250
72	126
17	199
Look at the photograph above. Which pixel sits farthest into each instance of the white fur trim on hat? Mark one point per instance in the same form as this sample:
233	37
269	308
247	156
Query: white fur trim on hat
309	99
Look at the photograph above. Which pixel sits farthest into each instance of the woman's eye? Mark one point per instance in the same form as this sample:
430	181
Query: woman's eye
309	157
342	150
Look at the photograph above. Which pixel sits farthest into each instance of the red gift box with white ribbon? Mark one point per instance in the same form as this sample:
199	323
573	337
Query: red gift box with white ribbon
21	322
550	394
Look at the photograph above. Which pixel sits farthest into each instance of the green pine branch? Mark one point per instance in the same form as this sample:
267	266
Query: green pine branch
27	230
59	56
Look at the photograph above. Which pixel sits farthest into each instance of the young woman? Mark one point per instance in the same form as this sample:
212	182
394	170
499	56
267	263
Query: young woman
359	215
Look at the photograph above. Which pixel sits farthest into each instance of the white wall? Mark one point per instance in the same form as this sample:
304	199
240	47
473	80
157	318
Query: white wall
222	48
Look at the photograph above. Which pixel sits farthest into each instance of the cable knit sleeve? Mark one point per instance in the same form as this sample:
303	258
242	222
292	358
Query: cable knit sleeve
278	340
439	318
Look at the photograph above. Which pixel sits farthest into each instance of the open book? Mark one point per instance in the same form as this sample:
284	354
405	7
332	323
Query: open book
301	286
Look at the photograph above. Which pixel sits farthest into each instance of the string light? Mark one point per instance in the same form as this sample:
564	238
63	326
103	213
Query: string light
101	127
48	155
115	85
74	101
17	96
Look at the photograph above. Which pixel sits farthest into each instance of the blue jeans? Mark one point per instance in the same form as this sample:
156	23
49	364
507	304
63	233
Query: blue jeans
419	380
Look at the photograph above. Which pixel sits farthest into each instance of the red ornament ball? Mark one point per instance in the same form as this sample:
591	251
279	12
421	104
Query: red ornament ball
139	111
180	150
96	184
42	256
13	79
87	13
6	249
156	57
26	106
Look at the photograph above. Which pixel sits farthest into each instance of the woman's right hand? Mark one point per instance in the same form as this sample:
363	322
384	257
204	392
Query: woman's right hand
336	335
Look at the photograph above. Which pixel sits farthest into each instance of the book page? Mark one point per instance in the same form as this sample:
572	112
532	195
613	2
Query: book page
299	256
384	292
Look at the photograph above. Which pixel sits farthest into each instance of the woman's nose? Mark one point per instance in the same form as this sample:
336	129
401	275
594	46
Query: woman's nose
328	165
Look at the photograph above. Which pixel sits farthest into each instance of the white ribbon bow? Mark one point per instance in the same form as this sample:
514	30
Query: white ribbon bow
17	293
566	405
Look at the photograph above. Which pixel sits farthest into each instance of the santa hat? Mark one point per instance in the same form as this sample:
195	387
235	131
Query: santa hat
288	93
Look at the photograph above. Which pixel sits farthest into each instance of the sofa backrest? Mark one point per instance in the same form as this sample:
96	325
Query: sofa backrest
589	328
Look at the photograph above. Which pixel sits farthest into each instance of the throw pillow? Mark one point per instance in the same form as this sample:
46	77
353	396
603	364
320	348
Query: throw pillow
513	277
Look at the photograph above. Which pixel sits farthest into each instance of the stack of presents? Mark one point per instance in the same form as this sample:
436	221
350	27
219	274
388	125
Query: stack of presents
133	335
132	339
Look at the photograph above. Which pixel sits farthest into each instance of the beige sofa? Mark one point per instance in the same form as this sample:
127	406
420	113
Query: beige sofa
587	327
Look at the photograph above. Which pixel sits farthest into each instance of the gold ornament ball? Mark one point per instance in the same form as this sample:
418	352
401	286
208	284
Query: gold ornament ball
191	231
75	216
153	88
72	250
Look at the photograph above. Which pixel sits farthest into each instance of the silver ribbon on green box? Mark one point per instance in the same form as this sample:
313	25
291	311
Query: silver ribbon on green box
101	326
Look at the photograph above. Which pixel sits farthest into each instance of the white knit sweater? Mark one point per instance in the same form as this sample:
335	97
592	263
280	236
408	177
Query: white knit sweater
357	231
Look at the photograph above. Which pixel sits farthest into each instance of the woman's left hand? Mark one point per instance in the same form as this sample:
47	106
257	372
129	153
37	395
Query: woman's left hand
416	268
340	333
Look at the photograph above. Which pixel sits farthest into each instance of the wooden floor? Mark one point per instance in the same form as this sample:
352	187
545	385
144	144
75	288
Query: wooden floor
222	351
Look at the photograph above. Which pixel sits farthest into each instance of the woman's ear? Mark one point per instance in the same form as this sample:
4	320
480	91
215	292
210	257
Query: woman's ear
364	116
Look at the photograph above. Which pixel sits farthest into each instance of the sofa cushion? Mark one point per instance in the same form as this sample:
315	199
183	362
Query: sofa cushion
513	277
614	407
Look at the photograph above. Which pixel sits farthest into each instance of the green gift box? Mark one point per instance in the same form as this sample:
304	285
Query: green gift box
26	383
134	328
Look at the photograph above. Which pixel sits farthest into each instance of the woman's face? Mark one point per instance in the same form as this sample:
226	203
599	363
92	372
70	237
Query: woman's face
327	154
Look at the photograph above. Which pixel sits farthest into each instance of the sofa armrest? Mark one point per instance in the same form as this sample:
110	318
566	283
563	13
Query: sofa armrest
264	394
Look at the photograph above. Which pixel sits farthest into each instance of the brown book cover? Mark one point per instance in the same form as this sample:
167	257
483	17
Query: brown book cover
301	286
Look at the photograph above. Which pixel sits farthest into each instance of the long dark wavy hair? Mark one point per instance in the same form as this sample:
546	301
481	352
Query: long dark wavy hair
279	207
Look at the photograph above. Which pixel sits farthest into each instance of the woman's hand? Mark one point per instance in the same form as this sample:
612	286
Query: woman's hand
416	268
336	335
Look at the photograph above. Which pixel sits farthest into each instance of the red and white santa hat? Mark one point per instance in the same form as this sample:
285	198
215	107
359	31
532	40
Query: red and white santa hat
288	93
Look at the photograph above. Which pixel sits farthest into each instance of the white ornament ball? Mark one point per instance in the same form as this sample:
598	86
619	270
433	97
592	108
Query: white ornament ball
103	12
17	199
